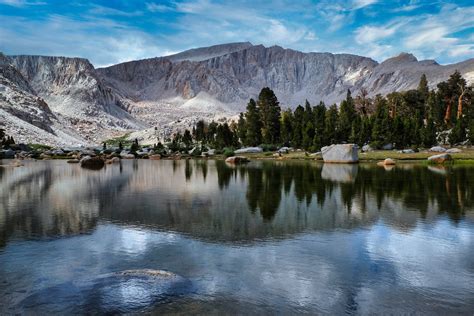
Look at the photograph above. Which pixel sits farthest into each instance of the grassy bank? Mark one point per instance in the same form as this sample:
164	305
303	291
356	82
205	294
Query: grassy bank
466	156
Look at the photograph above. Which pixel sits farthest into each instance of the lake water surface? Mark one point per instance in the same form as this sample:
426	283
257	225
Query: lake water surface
263	238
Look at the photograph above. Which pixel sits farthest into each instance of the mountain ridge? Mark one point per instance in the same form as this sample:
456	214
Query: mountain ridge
208	82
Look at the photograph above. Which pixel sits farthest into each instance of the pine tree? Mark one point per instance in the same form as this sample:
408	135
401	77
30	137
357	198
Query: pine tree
423	88
330	128
298	125
270	116
347	115
428	134
241	128
187	138
308	135
286	131
319	114
381	130
200	131
253	135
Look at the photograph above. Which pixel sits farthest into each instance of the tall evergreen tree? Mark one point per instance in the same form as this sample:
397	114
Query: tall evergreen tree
347	115
241	128
253	135
270	116
319	114
423	88
298	125
330	126
286	129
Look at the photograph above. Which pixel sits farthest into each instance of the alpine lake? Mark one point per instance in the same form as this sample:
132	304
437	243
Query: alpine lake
206	237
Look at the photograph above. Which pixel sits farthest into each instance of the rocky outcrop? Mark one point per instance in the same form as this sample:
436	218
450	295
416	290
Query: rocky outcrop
341	153
248	150
440	159
237	160
94	163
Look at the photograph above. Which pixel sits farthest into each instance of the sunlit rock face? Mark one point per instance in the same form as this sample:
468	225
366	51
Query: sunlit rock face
175	91
340	153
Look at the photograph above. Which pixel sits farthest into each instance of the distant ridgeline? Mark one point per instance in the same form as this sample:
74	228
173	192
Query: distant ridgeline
411	118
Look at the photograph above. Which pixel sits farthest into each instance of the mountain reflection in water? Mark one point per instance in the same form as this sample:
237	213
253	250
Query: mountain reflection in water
215	201
268	237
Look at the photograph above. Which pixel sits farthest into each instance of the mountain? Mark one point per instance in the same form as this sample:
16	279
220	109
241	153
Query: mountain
175	91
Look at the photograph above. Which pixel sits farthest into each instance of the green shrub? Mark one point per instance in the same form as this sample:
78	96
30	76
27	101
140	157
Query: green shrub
228	152
268	147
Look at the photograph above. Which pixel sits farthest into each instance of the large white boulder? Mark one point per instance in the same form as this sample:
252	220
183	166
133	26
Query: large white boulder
440	159
248	150
453	151
438	149
341	153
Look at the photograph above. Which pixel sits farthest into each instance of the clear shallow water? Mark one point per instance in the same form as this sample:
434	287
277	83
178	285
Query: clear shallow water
268	237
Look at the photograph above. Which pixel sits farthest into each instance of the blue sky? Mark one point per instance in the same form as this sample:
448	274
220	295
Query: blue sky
108	32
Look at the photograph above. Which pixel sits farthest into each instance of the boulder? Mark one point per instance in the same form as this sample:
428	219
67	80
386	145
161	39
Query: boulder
407	151
440	159
367	148
387	162
438	149
453	151
387	147
127	155
112	160
94	163
284	150
341	153
155	157
237	159
58	152
7	154
249	150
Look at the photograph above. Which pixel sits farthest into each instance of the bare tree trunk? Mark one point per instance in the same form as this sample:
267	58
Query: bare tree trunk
463	91
447	114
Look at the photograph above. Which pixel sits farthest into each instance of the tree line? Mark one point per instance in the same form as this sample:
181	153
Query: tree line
5	140
413	118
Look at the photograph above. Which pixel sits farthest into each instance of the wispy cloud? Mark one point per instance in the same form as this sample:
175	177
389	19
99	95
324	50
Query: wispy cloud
21	3
110	32
359	4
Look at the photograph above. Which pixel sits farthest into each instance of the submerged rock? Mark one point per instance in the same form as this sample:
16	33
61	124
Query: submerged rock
73	161
440	159
237	159
94	163
387	162
341	153
155	157
129	291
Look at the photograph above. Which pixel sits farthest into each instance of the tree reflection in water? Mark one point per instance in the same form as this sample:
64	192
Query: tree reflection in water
211	199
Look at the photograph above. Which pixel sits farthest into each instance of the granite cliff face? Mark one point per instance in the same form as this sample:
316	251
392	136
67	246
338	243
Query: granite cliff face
175	91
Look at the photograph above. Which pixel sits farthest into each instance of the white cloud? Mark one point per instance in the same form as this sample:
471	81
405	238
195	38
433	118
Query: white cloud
21	3
359	4
72	38
153	7
369	34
